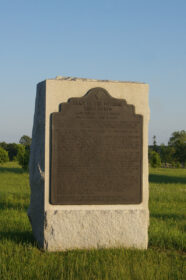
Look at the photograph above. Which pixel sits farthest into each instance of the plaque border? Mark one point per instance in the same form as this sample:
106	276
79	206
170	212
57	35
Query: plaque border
52	198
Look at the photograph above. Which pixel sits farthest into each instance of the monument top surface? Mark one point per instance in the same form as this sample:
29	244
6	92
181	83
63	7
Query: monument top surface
62	78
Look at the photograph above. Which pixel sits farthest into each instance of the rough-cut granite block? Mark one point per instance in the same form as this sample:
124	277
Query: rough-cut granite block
62	227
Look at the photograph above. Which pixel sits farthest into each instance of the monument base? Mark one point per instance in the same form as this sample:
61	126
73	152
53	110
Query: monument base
93	229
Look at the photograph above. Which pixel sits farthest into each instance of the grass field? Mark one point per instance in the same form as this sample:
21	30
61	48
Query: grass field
165	258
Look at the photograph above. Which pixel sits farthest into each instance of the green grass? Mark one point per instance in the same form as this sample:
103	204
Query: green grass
165	258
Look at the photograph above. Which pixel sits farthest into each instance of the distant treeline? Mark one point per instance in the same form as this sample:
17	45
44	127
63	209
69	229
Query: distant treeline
171	155
16	152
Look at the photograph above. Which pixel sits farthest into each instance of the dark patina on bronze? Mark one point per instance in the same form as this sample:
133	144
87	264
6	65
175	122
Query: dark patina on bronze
96	151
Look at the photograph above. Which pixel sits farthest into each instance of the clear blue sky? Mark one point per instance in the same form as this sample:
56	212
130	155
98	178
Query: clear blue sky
132	40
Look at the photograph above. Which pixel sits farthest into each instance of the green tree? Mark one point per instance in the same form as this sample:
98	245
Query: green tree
12	149
3	155
3	145
167	154
154	159
178	142
155	147
23	156
25	140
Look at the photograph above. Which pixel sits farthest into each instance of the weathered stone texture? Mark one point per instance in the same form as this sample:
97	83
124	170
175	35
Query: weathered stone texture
85	229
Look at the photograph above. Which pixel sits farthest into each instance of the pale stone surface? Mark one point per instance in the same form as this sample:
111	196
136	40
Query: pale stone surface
84	229
62	227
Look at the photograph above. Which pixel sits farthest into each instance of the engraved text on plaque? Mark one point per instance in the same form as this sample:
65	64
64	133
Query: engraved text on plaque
96	151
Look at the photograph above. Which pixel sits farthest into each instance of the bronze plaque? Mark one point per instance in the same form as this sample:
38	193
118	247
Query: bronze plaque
96	151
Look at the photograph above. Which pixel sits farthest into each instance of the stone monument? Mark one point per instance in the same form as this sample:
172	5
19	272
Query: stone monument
89	164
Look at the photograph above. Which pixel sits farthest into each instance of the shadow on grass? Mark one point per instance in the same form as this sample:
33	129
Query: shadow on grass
19	237
157	178
17	170
166	216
